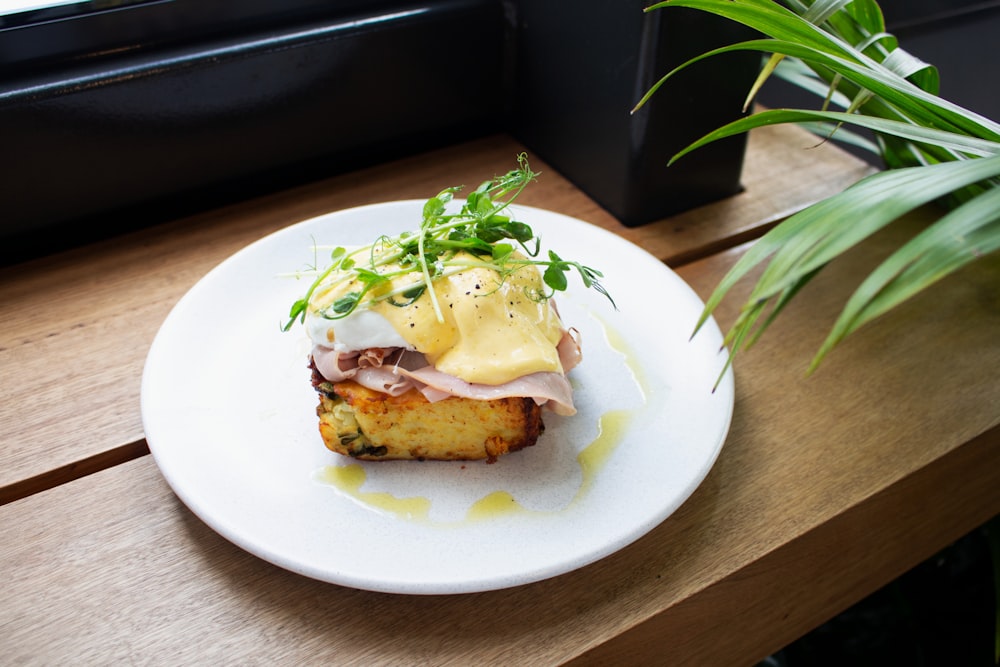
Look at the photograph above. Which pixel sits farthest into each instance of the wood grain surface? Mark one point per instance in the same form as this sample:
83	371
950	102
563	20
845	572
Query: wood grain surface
827	487
75	327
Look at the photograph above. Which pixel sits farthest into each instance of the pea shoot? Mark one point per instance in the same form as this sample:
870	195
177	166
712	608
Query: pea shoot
481	234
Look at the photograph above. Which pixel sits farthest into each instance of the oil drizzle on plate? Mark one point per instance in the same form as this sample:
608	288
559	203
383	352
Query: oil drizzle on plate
350	478
496	504
611	428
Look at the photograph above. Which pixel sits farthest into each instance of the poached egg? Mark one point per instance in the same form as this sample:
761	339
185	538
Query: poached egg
487	330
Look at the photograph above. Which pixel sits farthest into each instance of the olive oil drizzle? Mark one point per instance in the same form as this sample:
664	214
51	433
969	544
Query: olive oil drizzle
611	429
350	478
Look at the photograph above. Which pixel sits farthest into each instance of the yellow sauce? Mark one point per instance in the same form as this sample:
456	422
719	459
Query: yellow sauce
350	478
498	503
611	429
489	332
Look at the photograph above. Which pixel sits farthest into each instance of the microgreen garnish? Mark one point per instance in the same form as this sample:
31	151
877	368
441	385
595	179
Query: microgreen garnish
482	228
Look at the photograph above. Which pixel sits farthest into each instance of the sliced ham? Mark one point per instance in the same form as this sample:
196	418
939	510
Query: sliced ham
337	366
570	350
549	389
396	371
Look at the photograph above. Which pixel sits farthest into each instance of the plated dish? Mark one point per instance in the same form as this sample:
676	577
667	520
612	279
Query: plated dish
229	417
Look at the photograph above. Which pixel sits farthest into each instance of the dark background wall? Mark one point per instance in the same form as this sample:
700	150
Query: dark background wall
127	116
960	38
114	119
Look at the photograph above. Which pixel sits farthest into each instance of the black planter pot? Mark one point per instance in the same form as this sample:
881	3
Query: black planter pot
581	68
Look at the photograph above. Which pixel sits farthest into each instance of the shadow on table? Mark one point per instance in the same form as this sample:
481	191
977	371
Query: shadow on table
941	612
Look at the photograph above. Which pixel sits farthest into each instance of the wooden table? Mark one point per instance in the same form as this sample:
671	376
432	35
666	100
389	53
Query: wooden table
828	486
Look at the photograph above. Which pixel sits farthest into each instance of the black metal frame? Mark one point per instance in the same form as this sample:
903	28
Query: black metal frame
121	117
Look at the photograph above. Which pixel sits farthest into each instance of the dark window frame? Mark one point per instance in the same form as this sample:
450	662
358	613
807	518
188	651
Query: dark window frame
122	117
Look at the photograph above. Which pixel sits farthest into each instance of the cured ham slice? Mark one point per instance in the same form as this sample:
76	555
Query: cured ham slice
395	371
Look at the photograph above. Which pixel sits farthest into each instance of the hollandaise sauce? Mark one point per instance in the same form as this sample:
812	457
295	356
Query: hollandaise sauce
486	330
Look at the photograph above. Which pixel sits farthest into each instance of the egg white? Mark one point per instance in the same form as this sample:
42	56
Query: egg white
361	330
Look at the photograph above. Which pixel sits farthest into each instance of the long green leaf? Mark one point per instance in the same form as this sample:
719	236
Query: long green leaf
950	140
916	103
960	237
756	14
780	302
832	226
821	10
796	37
867	14
906	65
931	111
827	131
812	237
936	150
765	73
800	75
762	15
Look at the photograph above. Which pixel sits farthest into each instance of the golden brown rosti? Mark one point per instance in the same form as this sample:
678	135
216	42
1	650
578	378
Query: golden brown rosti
366	424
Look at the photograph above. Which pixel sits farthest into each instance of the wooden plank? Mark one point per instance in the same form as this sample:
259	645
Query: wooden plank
75	328
827	487
831	486
805	581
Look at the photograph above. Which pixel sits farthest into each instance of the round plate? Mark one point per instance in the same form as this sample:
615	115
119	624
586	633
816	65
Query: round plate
229	415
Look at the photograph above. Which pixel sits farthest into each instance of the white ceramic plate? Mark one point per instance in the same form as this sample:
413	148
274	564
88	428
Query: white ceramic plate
229	416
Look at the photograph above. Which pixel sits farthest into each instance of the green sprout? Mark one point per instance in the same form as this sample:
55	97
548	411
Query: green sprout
442	247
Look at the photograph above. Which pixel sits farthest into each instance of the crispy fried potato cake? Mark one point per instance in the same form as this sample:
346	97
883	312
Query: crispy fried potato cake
370	425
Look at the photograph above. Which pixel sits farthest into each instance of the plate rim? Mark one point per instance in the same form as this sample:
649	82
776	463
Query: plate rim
726	388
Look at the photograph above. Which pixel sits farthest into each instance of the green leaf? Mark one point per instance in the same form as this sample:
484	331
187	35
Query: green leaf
346	303
555	277
444	244
794	36
935	150
409	295
520	232
920	105
830	227
819	11
501	251
369	277
913	69
867	14
954	141
809	239
962	236
433	207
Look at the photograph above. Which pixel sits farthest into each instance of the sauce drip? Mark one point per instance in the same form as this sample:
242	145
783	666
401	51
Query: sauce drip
349	480
611	428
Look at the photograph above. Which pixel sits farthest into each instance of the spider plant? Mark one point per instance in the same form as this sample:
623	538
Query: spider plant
934	151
